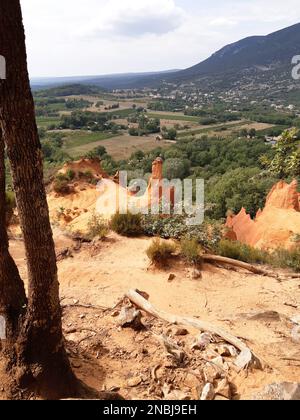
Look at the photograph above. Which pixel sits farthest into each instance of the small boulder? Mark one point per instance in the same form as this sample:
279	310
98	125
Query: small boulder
285	391
210	373
201	342
208	393
224	389
133	382
130	318
181	332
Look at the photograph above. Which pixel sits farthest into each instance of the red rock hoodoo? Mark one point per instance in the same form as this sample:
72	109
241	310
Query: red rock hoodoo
276	226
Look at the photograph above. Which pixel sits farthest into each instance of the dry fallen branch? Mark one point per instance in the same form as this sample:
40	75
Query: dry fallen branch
86	306
245	358
249	267
235	263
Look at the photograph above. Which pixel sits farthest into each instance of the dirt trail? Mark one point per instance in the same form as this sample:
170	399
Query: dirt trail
101	275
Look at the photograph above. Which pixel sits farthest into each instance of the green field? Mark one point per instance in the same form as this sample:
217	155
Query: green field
80	138
175	117
122	113
45	121
211	129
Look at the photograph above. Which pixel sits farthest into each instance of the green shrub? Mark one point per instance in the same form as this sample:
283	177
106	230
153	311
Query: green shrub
191	250
127	224
287	259
97	227
70	175
61	177
61	186
160	252
208	234
242	252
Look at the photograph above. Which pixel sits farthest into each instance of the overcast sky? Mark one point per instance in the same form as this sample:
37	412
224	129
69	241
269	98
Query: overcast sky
93	37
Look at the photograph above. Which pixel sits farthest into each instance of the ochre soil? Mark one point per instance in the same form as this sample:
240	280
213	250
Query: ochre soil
107	357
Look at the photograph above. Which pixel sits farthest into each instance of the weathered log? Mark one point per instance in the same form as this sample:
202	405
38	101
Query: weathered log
235	263
143	304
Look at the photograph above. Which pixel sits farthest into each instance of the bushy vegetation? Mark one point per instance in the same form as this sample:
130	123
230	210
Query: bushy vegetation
127	224
286	161
61	186
97	227
190	250
145	125
173	105
287	259
160	252
237	188
241	252
169	133
280	258
176	227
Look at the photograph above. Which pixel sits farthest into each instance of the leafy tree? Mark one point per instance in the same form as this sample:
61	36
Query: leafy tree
241	187
176	169
286	161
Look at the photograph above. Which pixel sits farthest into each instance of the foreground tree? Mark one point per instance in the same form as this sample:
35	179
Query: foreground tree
12	293
42	363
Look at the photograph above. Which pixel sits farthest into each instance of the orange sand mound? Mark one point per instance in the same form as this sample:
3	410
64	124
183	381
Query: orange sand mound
108	198
276	226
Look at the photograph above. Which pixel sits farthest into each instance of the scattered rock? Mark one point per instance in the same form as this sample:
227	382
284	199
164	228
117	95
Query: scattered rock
227	350
191	381
224	389
218	361
174	395
246	359
296	334
64	254
171	277
130	318
133	382
208	393
181	332
265	316
210	373
196	274
284	391
296	319
202	342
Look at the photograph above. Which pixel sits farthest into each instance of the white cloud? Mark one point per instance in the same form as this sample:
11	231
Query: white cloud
75	37
136	18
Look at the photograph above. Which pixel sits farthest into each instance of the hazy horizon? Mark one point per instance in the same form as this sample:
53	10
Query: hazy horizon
104	37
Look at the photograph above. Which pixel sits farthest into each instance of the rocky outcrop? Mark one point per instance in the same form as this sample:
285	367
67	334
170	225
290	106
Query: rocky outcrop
106	199
276	226
85	165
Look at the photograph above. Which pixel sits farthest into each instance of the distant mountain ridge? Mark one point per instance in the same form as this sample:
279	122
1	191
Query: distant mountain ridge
110	81
274	50
259	60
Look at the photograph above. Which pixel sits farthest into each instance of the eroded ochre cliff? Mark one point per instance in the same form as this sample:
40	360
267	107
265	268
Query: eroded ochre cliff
106	199
276	226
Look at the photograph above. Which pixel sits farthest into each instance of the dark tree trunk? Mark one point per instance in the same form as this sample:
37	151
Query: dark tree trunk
12	293
40	346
